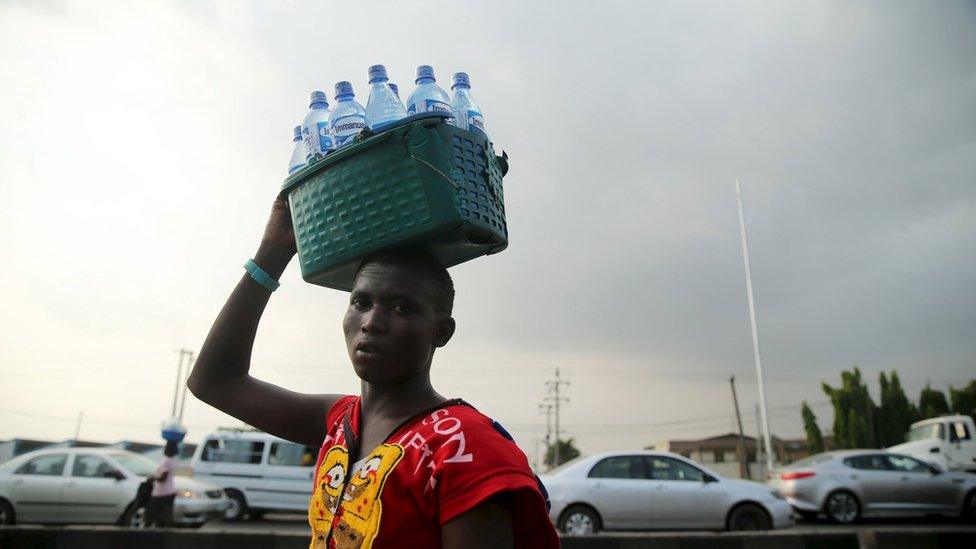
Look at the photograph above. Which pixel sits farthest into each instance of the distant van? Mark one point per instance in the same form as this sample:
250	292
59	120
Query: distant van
259	472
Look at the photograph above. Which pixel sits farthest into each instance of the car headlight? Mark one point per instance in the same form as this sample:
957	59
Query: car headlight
777	494
188	494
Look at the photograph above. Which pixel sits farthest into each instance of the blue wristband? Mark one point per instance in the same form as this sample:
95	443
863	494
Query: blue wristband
259	276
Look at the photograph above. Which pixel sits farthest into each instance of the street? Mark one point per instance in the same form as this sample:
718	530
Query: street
292	523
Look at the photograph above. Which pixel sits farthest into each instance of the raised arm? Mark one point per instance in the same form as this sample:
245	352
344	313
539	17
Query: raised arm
220	376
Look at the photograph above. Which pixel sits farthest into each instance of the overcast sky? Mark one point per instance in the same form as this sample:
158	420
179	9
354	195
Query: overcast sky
141	148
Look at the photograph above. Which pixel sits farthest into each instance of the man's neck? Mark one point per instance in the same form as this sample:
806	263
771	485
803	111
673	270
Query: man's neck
398	402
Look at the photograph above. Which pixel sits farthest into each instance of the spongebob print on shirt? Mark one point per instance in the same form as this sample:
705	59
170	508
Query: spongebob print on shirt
354	504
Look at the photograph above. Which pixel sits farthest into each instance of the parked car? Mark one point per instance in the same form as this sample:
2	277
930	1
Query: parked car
94	485
259	472
656	490
948	442
847	485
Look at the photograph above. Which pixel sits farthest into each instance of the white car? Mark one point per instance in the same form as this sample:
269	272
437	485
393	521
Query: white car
258	472
655	490
94	485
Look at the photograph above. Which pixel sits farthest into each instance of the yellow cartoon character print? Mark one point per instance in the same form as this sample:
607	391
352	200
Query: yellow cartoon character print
362	509
325	499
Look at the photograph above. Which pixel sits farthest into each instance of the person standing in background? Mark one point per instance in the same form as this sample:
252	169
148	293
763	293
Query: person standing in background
159	512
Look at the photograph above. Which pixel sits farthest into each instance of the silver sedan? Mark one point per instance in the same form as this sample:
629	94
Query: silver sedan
847	485
657	490
94	485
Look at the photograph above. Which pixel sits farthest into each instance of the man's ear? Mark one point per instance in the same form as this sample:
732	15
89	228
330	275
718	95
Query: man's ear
445	331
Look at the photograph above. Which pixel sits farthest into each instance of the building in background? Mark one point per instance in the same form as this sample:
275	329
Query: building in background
720	453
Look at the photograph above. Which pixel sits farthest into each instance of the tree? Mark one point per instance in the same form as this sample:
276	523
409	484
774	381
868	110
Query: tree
896	413
566	452
932	403
964	400
853	412
815	443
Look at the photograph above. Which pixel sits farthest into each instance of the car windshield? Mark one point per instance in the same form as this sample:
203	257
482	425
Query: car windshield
813	461
926	432
136	464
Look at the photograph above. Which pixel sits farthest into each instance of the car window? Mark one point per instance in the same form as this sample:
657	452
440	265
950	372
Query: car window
90	466
619	467
906	464
291	454
872	462
665	468
934	431
233	451
959	431
49	465
136	464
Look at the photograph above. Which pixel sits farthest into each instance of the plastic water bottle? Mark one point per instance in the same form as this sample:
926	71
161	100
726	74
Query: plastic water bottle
315	127
467	114
383	107
348	118
298	155
428	97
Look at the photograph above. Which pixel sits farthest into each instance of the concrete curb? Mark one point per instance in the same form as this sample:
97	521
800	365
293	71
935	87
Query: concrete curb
111	537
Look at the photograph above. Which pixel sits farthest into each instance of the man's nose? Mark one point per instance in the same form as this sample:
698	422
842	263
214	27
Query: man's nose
374	321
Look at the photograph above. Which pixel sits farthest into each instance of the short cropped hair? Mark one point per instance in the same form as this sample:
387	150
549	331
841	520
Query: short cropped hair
423	263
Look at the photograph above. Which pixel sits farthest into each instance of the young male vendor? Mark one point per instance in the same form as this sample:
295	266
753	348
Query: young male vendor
400	465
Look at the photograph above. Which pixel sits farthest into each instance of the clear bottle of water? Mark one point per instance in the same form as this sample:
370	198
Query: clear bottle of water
428	97
348	118
297	161
383	107
315	127
467	114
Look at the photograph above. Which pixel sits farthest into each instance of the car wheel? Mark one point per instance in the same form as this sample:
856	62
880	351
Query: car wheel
969	508
134	517
7	517
749	517
579	520
842	507
238	506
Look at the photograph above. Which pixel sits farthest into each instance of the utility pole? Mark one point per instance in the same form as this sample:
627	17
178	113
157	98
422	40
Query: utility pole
179	377
547	407
741	448
78	427
755	331
758	444
556	401
189	365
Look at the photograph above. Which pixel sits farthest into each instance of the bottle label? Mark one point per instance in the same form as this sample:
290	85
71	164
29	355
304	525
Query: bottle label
430	105
325	137
476	121
347	127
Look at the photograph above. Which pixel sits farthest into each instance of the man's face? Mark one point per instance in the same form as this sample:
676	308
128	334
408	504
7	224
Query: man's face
391	326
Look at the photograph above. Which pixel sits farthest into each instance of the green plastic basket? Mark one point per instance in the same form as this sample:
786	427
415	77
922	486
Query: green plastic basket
420	181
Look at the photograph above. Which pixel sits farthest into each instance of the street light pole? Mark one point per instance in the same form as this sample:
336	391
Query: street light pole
755	332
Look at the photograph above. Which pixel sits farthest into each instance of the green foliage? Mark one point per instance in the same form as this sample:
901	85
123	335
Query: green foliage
815	443
932	403
964	400
853	412
566	452
896	413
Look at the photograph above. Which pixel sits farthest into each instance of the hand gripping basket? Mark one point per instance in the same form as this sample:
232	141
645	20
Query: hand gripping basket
420	181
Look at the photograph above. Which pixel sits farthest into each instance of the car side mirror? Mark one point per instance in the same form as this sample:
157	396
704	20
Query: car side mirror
117	475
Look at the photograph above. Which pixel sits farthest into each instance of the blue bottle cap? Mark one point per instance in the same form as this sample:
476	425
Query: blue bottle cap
343	88
318	97
425	71
298	133
377	73
396	90
460	79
